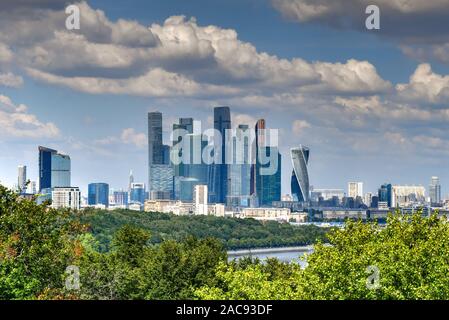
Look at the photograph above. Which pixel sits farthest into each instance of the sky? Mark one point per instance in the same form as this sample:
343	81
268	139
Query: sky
372	105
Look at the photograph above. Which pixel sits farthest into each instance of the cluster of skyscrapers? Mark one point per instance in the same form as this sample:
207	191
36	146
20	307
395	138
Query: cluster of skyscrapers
236	175
235	167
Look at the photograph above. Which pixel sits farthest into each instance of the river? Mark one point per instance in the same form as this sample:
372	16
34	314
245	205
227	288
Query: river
285	254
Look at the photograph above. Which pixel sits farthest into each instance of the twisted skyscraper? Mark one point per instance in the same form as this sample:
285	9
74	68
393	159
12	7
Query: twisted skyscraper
300	175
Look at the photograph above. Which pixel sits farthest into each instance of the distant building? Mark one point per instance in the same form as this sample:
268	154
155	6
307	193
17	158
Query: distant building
218	172
54	169
137	194
355	189
403	196
239	172
385	194
22	179
327	194
300	175
274	214
66	198
120	198
98	194
435	191
201	199
160	172
368	199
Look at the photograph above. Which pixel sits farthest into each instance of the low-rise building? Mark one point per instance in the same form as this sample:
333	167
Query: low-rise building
276	214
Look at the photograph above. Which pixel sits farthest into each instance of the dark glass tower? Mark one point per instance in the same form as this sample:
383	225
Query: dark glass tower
54	169
218	177
98	193
385	193
155	148
300	175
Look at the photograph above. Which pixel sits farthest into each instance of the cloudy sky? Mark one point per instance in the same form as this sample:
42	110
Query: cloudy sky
372	105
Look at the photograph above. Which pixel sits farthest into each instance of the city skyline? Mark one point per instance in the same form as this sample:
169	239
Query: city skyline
375	112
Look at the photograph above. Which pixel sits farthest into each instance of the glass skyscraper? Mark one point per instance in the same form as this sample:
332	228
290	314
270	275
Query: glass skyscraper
54	169
239	172
98	193
385	193
435	191
160	171
269	186
218	173
300	175
137	193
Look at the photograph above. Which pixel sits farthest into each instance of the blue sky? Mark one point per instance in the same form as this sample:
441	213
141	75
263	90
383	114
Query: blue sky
371	105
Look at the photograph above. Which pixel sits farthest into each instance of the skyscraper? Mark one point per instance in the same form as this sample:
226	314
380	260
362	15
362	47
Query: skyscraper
137	194
160	172
131	180
269	186
54	169
239	172
300	175
22	179
218	176
355	189
384	194
98	193
435	191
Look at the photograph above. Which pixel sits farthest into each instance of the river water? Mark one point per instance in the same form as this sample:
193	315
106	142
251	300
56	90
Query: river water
286	254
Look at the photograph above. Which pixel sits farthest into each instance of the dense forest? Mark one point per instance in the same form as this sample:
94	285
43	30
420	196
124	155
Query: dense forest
232	232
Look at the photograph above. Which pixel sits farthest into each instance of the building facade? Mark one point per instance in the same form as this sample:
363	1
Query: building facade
66	198
98	194
300	175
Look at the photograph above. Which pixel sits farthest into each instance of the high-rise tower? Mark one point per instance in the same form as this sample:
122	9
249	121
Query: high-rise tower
300	175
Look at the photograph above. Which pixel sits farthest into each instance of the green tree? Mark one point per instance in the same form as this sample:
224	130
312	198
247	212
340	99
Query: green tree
37	244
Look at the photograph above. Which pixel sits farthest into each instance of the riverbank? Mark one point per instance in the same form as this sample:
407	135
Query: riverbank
258	251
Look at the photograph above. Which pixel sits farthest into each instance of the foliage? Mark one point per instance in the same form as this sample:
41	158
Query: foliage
410	252
232	232
36	246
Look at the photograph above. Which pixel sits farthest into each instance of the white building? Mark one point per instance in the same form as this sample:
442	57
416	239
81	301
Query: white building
201	199
22	178
67	198
217	210
275	214
403	196
368	199
355	189
327	194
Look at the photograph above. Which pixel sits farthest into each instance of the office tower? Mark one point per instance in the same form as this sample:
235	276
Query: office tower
435	191
137	193
239	172
121	198
160	172
300	175
256	183
218	177
66	198
131	180
355	189
195	170
32	187
403	196
269	185
368	199
180	130
98	193
384	194
22	178
201	199
54	169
